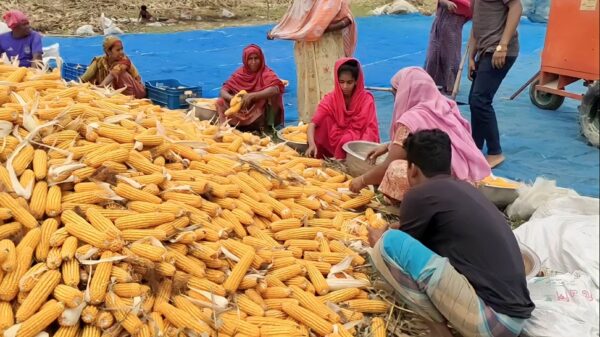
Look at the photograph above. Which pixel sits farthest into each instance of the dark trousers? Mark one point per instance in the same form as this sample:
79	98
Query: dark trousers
486	81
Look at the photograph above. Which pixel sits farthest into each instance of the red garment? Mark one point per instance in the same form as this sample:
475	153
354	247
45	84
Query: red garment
335	125
14	18
463	8
244	79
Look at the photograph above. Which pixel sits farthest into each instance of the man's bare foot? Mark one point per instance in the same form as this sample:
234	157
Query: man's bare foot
438	330
495	159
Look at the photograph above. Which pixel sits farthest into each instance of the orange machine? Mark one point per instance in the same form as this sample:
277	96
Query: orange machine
571	53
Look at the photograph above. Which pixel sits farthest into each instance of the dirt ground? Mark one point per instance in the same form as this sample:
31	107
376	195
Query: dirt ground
62	17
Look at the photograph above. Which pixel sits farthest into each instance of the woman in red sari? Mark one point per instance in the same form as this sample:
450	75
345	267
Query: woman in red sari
263	104
343	115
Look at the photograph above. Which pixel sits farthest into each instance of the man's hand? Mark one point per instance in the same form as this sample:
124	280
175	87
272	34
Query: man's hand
269	36
472	69
499	59
357	184
375	234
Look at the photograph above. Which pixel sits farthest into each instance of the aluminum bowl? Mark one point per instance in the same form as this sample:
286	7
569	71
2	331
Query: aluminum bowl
356	154
500	196
533	264
300	147
201	109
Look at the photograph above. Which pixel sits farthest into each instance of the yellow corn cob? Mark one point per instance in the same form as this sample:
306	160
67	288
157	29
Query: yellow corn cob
340	295
359	201
38	295
276	292
129	290
237	274
338	247
58	237
142	221
182	319
70	273
275	314
31	277
128	192
304	233
68	248
31	239
17	75
100	279
19	213
40	164
22	160
41	320
317	279
9	229
85	232
71	297
286	273
49	226
104	320
307	317
248	306
259	208
6	316
102	223
9	286
113	214
333	258
138	234
37	205
53	203
8	256
67	331
187	264
90	331
122	314
367	306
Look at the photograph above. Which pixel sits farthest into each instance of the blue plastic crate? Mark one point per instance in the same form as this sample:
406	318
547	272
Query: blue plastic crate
73	71
171	93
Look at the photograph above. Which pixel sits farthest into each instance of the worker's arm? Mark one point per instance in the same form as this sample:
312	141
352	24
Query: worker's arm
515	10
251	97
375	175
36	50
37	61
338	25
226	95
90	73
472	53
312	146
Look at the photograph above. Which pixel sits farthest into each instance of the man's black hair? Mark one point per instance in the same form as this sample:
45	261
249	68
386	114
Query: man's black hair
430	150
349	67
144	7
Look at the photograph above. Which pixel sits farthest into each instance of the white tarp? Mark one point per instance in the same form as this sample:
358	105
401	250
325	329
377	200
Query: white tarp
564	232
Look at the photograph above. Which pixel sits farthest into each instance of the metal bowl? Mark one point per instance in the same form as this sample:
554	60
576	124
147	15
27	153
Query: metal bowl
500	196
202	110
300	147
533	264
356	154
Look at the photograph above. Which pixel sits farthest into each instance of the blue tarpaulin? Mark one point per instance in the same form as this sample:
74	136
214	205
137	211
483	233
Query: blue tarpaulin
535	142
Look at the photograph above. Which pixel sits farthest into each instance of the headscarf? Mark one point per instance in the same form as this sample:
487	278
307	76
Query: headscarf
109	42
244	79
15	18
306	20
419	105
359	120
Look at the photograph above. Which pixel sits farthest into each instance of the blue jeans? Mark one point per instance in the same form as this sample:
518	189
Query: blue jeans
486	81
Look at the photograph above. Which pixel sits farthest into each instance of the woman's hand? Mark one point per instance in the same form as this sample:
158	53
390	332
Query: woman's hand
376	153
357	184
247	100
116	70
312	150
450	6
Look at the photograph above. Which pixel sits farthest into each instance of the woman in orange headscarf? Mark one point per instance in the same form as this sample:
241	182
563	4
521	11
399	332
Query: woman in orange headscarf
115	69
324	31
263	104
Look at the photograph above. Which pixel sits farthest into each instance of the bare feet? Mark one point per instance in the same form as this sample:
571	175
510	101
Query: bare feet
438	330
495	159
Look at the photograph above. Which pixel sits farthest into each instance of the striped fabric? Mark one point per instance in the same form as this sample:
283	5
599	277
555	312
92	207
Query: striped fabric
431	287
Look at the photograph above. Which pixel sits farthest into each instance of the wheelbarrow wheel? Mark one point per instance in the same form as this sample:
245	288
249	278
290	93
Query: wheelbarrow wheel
544	100
589	114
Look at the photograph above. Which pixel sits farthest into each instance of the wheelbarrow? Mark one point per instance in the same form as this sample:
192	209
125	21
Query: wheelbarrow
570	55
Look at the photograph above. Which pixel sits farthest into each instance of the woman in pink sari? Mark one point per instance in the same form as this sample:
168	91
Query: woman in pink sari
343	115
420	106
263	104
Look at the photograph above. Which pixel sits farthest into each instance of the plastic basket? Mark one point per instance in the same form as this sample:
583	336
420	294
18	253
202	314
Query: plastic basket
171	93
73	71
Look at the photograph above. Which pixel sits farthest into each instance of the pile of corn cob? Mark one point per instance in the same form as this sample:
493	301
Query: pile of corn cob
296	134
121	218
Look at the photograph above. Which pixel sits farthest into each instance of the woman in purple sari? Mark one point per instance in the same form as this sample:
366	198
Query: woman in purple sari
445	40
